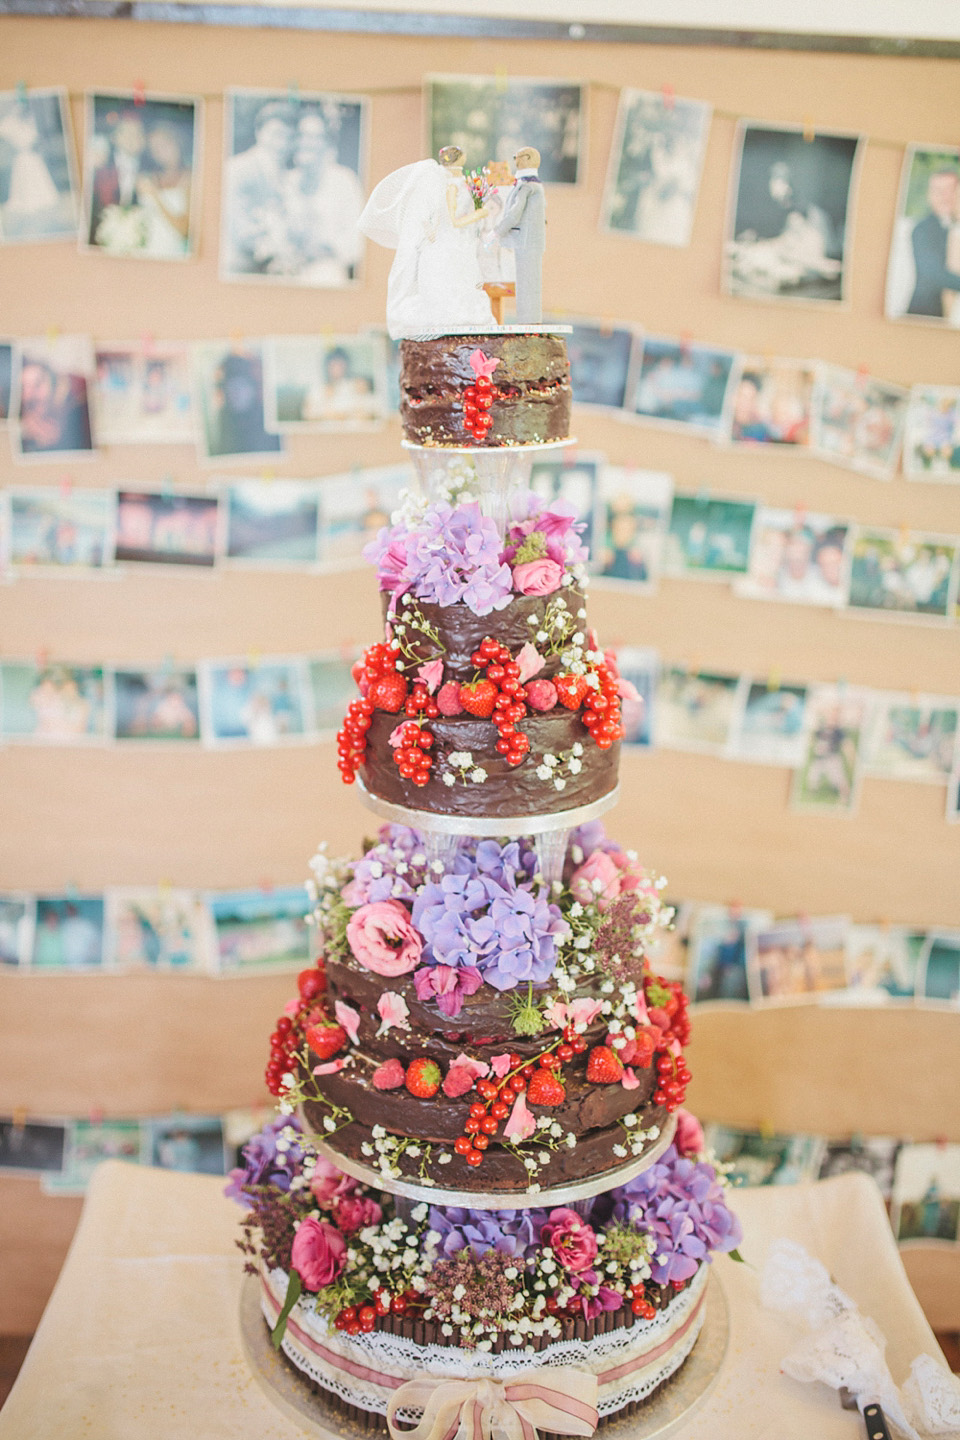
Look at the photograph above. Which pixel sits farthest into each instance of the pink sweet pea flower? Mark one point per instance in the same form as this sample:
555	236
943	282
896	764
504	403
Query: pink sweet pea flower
481	364
584	1012
431	674
597	881
477	1068
348	1018
330	1067
499	1064
531	662
291	1007
556	1014
395	739
393	1011
688	1136
521	1124
629	1080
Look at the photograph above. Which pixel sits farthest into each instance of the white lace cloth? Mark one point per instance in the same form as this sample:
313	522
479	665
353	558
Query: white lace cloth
846	1349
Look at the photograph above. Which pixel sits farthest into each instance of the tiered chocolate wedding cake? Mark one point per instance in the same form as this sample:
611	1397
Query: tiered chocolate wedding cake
481	1205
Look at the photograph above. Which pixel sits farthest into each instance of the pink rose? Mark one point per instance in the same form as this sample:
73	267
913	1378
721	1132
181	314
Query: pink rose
598	881
355	1212
538	577
688	1136
383	939
571	1239
329	1183
319	1253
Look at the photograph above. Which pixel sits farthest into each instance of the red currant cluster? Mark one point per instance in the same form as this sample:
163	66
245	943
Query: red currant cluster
420	702
478	401
673	1020
412	756
361	1319
381	687
352	738
283	1045
536	1076
639	1303
601	710
508	707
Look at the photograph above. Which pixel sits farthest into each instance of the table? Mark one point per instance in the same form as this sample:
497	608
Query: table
141	1339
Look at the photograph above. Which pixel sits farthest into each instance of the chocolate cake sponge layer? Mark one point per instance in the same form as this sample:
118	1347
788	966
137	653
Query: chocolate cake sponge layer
461	631
532	379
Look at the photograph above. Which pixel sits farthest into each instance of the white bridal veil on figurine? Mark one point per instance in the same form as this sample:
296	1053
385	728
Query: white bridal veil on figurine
435	278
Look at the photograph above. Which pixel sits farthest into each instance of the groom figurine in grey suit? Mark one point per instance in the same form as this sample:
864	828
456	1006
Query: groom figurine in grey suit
523	229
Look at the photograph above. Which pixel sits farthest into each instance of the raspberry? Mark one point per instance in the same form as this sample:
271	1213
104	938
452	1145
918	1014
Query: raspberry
542	695
448	699
423	1078
389	1076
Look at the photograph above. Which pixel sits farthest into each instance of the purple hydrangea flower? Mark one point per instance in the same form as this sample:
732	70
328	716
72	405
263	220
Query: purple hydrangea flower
263	1163
508	1232
452	554
681	1203
388	870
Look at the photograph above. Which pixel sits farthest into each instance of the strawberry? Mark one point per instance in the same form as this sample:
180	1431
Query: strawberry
423	1078
311	983
389	1075
545	1088
542	695
448	699
479	698
326	1040
571	689
658	1016
646	1045
604	1066
388	692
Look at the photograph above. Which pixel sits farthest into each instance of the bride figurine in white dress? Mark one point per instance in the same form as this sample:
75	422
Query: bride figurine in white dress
425	212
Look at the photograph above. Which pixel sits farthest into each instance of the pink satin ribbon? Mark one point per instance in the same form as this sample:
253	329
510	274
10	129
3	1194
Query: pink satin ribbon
558	1398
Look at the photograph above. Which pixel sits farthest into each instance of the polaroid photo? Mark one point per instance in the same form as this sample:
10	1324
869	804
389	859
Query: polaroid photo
857	421
189	1144
331	688
795	960
883	962
158	704
354	507
37	175
491	117
953	799
694	710
141	166
632	509
293	187
827	780
16	931
144	394
261	930
254	702
640	668
923	274
873	1155
762	1159
239	1128
599	358
797	557
32	1146
50	402
926	1192
903	575
790	214
156	928
62	531
318	383
769	402
912	737
573	479
391	361
769	724
668	951
166	529
69	933
940	969
6	378
678	385
708	537
270	523
721	946
55	703
228	402
656	159
88	1143
931	447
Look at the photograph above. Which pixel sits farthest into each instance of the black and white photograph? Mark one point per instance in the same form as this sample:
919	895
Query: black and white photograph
143	394
599	358
330	382
912	737
491	117
273	523
156	704
931	447
228	400
62	530
858	421
768	727
769	402
798	557
191	1144
167	529
253	702
655	162
900	574
790	213
695	710
294	179
29	1146
141	167
679	384
799	959
16	930
632	511
38	190
721	945
573	479
69	933
873	1155
923	275
51	400
708	536
639	666
828	779
354	507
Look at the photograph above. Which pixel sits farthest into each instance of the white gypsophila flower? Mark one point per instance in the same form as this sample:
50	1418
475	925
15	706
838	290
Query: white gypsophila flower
543	772
620	1151
629	1120
559	784
478	775
449	778
574	766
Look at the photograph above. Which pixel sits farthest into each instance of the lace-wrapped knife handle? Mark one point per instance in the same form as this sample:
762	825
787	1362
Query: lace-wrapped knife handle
873	1417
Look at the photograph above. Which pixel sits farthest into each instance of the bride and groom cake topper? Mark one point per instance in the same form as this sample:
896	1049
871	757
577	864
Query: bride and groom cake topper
426	213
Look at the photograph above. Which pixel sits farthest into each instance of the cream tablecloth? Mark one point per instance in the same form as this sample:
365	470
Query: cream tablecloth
141	1338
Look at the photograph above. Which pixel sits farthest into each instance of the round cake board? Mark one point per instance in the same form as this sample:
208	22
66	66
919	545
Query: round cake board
667	1410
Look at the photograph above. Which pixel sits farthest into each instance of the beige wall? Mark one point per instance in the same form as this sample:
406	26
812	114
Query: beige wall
719	830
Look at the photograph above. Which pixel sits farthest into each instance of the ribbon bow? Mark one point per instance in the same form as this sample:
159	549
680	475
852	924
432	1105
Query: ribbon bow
561	1399
481	364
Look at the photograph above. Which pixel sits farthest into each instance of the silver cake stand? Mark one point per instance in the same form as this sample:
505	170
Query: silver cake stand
663	1414
490	330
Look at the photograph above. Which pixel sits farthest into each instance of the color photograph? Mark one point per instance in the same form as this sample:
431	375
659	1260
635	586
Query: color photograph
756	1159
797	557
721	943
768	728
252	703
799	959
912	737
655	162
790	213
261	929
16	930
599	364
38	199
54	704
883	962
293	187
931	449
769	402
354	507
491	117
639	666
828	778
632	510
271	522
6	377
903	574
69	933
144	394
88	1143
926	1192
62	530
50	405
332	687
574	480
923	275
695	710
679	385
156	928
940	969
140	175
708	537
228	401
166	529
858	421
329	383
31	1146
190	1144
156	704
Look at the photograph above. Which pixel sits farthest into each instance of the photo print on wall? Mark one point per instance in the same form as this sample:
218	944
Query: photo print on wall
679	384
228	400
931	449
632	511
923	275
656	157
491	117
50	405
143	393
858	421
38	189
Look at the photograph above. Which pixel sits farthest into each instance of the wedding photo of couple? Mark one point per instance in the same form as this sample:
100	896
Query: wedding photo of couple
923	280
37	189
